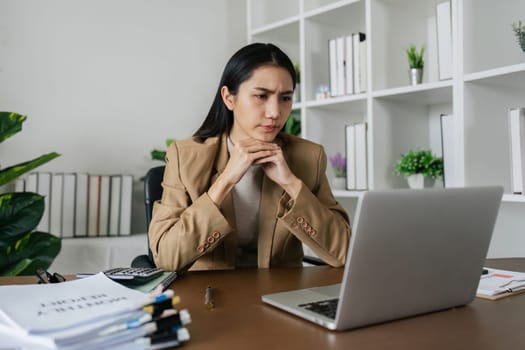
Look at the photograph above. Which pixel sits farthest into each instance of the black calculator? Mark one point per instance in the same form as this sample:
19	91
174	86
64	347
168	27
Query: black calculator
133	275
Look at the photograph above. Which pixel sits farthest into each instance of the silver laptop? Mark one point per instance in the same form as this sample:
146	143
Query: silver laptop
411	252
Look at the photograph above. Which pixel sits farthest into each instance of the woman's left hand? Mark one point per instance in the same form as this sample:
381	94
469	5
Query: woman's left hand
277	170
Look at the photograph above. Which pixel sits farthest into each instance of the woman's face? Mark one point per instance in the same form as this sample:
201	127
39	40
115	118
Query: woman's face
261	105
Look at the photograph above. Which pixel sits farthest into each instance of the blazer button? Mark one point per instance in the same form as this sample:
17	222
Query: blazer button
300	219
210	239
314	232
304	225
206	245
216	234
200	249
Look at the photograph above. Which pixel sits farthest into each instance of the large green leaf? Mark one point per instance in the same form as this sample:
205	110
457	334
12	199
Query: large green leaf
11	173
28	253
19	213
10	124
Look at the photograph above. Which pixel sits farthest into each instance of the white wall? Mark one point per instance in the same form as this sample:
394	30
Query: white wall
103	82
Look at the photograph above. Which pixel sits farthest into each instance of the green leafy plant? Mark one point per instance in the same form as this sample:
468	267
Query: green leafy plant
297	73
293	124
22	250
415	58
157	154
419	162
519	30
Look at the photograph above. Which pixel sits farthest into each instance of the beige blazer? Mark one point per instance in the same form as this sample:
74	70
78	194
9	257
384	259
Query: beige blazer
189	230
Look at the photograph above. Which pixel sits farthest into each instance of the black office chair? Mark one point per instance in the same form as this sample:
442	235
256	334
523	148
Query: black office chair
153	192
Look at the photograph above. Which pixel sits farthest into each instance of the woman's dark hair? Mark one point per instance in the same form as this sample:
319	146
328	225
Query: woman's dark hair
240	68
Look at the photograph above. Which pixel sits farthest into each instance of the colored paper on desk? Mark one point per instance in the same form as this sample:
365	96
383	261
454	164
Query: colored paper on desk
497	284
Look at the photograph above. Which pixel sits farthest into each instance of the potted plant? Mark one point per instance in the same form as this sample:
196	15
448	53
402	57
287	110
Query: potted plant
519	30
338	163
421	168
22	250
415	63
158	154
293	123
297	92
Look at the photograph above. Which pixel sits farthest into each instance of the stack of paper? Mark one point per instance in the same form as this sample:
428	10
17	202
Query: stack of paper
89	313
500	283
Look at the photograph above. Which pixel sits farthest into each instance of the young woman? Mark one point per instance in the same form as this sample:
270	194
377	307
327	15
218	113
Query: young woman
241	193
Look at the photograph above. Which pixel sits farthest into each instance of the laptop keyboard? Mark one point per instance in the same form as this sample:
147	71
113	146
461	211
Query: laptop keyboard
324	307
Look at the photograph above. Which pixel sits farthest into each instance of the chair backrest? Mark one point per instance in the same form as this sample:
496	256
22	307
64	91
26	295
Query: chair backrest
152	192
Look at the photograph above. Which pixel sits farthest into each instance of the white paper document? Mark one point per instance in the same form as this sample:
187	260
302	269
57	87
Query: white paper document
500	281
48	309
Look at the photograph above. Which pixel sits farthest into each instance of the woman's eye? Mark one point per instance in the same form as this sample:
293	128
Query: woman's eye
260	97
287	98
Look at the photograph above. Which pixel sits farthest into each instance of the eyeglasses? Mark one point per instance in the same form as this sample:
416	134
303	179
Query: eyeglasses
46	277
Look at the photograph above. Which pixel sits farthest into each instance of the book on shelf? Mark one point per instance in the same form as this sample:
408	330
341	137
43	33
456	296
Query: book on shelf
81	205
340	65
114	205
55	206
68	205
349	65
448	147
444	39
332	66
359	50
93	205
103	219
126	203
31	183
361	157
19	185
44	189
350	157
517	148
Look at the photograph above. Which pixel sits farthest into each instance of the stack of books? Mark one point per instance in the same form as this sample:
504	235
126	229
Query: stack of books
90	313
347	64
82	205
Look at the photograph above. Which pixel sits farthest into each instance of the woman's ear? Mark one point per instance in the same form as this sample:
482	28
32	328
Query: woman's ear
227	97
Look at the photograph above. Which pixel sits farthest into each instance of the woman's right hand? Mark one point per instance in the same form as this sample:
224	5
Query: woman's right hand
243	155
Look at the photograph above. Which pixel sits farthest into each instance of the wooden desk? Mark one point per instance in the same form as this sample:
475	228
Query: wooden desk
241	321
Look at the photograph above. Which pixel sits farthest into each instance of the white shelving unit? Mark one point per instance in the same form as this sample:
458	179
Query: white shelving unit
488	78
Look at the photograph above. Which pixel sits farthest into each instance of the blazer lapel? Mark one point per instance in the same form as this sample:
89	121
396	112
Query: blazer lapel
270	196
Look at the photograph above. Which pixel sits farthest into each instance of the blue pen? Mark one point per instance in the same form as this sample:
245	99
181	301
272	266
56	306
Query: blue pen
134	323
164	296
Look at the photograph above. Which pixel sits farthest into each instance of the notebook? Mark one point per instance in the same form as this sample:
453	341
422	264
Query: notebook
411	252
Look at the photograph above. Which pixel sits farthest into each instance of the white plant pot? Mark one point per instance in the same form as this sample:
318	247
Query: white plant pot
418	181
339	183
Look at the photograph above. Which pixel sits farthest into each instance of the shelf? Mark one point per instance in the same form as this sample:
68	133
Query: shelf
513	75
314	9
271	13
276	25
422	94
335	100
487	81
489	42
